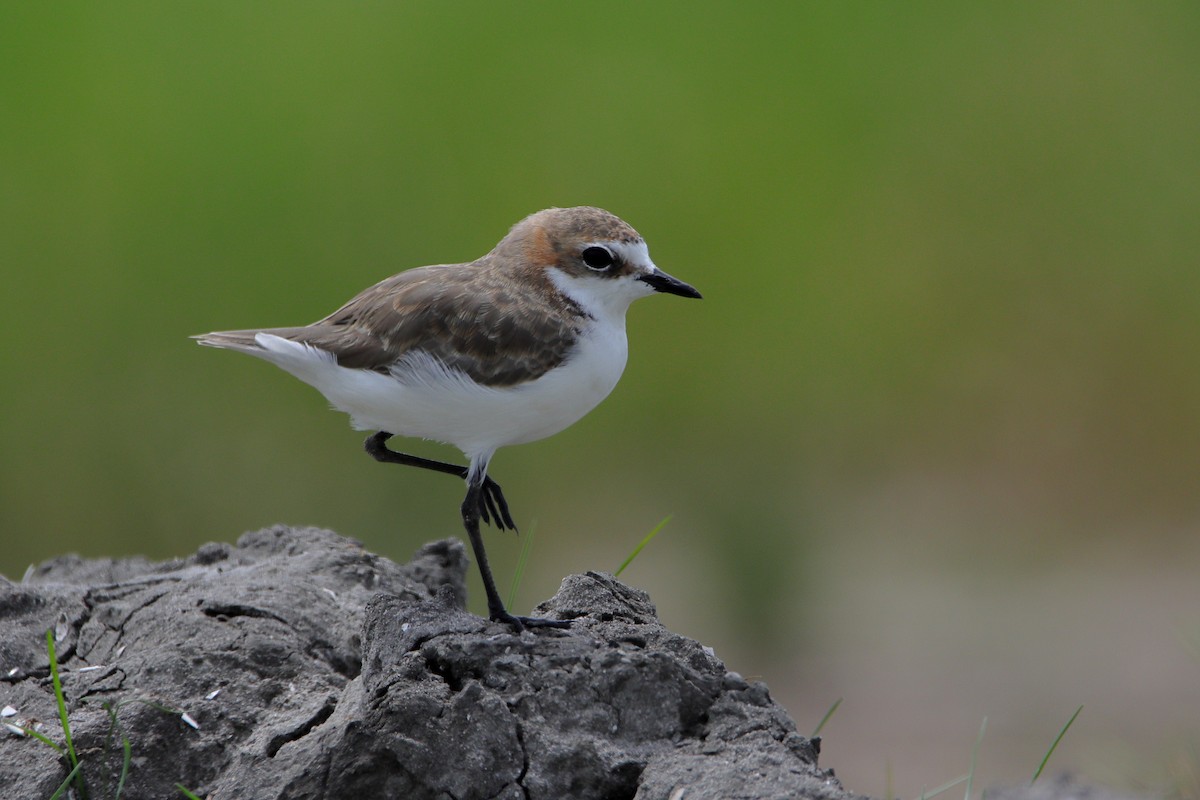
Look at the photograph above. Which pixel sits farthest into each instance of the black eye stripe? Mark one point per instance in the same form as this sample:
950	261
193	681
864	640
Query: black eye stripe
597	258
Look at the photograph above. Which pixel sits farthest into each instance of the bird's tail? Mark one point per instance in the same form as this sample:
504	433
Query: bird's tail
230	340
309	364
242	341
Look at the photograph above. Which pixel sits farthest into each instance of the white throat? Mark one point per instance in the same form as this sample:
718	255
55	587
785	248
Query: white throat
607	299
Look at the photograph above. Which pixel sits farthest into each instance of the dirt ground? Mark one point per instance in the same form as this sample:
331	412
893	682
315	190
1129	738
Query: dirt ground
297	664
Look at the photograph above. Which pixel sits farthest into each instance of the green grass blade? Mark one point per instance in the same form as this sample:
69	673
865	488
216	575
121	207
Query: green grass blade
1057	739
174	712
641	544
62	711
59	698
186	793
62	787
817	731
974	756
115	726
125	761
948	785
44	739
522	560
108	741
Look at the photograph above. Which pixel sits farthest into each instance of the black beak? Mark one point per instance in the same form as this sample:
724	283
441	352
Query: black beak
662	282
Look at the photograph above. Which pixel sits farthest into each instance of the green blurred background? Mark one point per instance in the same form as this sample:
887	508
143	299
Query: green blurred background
931	440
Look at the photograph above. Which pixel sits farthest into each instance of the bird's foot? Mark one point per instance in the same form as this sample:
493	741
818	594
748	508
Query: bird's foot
521	623
493	508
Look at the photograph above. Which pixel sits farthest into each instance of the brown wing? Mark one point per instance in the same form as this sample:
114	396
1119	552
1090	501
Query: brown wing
470	316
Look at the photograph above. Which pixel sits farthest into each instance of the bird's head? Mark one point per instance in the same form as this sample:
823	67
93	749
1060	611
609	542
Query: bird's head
594	257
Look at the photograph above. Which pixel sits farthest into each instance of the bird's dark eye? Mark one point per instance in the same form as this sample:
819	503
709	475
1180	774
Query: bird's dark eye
597	258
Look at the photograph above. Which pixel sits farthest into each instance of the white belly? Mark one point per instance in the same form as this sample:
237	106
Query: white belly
424	399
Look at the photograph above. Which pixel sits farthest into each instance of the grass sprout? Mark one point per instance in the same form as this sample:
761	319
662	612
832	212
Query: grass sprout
186	793
649	537
948	785
43	738
817	730
1054	745
75	776
62	713
522	560
974	757
970	776
127	750
62	787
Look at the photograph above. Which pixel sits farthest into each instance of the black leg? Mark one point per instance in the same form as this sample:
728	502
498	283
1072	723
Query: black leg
493	508
496	612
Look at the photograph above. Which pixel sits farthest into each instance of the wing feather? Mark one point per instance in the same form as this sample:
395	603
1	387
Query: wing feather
469	316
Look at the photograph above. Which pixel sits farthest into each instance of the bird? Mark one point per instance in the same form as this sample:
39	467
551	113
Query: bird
509	348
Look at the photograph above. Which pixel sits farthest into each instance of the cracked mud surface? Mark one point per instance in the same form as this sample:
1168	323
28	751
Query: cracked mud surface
315	669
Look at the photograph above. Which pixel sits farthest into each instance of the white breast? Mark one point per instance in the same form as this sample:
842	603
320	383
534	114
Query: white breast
423	398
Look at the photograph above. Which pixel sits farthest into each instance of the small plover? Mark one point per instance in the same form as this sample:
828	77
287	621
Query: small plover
509	348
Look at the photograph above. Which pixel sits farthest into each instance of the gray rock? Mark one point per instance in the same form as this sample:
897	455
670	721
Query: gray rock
315	669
